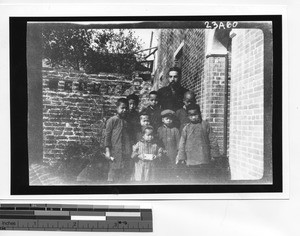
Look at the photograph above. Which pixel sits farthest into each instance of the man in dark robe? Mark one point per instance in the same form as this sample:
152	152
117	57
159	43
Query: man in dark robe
171	96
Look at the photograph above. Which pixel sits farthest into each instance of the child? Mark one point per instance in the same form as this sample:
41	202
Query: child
196	146
181	114
169	136
154	110
144	121
133	117
118	144
146	151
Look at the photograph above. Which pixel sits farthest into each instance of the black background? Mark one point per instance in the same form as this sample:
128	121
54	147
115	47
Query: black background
19	111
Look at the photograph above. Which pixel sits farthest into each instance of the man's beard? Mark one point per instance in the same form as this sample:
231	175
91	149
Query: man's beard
174	85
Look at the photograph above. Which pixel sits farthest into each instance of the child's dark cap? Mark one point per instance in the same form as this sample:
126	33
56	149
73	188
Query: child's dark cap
133	97
167	113
122	100
154	93
144	113
193	107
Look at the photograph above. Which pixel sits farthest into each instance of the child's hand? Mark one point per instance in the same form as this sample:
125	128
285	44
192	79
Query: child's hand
161	152
108	156
148	157
180	162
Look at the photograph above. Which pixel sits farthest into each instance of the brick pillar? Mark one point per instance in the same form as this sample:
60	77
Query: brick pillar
246	107
213	96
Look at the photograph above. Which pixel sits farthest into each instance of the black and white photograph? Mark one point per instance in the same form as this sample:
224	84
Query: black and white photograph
167	102
187	108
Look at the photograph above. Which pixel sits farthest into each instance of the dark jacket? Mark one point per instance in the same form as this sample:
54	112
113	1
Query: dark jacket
118	140
169	99
182	118
155	117
169	137
133	120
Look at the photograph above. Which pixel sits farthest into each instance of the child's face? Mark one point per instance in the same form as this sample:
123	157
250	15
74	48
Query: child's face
132	105
122	109
144	120
148	135
194	116
188	99
153	100
167	120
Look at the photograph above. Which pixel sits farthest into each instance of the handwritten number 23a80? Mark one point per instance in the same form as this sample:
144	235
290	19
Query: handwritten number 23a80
220	25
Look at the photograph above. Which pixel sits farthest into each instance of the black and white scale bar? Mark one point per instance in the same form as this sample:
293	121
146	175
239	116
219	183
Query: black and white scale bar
69	215
75	217
68	225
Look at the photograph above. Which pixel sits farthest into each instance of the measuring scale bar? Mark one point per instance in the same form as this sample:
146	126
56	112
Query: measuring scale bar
76	218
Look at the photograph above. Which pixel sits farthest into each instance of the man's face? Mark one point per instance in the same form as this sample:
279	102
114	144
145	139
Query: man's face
194	116
132	105
153	100
173	77
122	109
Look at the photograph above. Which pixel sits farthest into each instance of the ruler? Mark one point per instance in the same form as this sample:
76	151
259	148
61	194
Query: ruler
66	217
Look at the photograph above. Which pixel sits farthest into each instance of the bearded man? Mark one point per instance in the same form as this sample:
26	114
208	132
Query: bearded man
171	96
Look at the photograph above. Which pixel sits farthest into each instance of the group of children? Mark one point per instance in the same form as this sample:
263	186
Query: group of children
157	145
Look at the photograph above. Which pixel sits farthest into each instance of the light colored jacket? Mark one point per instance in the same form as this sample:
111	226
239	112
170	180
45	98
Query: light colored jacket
197	143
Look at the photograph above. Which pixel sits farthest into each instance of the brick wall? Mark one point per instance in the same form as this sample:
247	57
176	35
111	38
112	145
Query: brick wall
75	104
246	107
212	102
206	77
193	61
202	75
146	88
169	41
193	57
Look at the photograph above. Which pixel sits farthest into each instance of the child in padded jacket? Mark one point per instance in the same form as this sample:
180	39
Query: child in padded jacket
118	144
197	146
169	137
